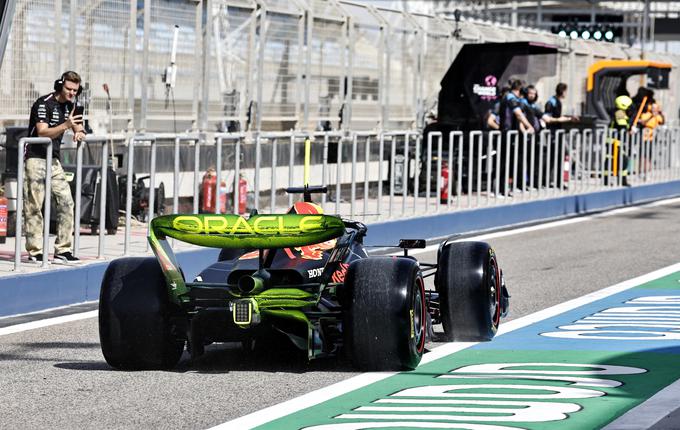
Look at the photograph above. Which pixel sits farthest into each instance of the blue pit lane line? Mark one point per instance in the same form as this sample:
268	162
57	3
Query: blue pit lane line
594	361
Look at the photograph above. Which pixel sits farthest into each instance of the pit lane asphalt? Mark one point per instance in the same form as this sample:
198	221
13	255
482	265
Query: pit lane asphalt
56	377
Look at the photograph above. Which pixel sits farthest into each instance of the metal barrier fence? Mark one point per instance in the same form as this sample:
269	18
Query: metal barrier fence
371	175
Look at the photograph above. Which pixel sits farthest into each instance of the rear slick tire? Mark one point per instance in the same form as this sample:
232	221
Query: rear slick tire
134	317
385	323
469	284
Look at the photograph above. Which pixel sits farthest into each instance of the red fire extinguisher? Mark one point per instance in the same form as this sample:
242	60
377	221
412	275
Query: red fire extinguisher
242	194
567	169
444	191
208	190
3	219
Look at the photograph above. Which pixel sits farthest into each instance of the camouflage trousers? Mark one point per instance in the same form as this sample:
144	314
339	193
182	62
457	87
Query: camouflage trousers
34	195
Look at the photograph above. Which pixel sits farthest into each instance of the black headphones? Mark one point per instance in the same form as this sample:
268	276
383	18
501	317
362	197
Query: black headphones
59	85
525	91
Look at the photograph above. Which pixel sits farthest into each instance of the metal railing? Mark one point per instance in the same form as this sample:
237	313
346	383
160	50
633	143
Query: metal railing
373	176
78	195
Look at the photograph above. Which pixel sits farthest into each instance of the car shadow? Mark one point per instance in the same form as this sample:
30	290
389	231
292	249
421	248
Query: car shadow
220	361
36	351
276	355
231	357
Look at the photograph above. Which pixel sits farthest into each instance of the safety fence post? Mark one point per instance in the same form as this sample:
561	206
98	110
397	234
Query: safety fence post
569	159
381	155
449	185
515	154
353	174
459	173
367	160
511	138
532	164
291	163
218	174
338	176
438	190
404	182
103	140
601	136
324	169
557	163
576	164
495	141
237	177
480	140
393	153
176	173
544	150
428	170
416	172
490	163
272	182
470	171
128	194
256	179
523	182
197	165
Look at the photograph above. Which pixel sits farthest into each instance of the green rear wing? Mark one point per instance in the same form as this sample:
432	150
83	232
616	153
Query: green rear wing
234	231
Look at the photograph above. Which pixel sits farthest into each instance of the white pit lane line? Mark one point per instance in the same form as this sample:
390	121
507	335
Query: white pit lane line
323	394
547	225
520	230
47	322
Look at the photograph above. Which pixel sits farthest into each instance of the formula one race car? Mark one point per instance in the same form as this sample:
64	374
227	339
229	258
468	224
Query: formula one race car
303	274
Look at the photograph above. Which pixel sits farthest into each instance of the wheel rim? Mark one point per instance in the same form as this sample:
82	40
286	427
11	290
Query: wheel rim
418	322
494	291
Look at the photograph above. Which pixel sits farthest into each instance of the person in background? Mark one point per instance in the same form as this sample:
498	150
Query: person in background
491	121
511	114
51	116
555	119
553	108
538	120
532	110
651	119
620	125
512	117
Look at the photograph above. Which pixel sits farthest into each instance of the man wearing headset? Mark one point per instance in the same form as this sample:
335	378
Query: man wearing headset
51	116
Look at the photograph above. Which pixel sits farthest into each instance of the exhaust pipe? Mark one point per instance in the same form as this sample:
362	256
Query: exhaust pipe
255	283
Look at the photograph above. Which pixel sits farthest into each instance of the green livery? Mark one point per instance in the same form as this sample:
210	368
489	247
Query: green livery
258	231
234	231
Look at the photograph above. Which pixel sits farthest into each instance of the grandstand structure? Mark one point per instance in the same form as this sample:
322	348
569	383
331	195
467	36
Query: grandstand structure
268	65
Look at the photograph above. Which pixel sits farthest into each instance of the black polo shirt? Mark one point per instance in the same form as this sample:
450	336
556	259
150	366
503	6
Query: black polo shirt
553	107
49	111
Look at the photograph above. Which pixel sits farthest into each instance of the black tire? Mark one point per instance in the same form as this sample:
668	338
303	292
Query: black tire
134	316
469	285
385	322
